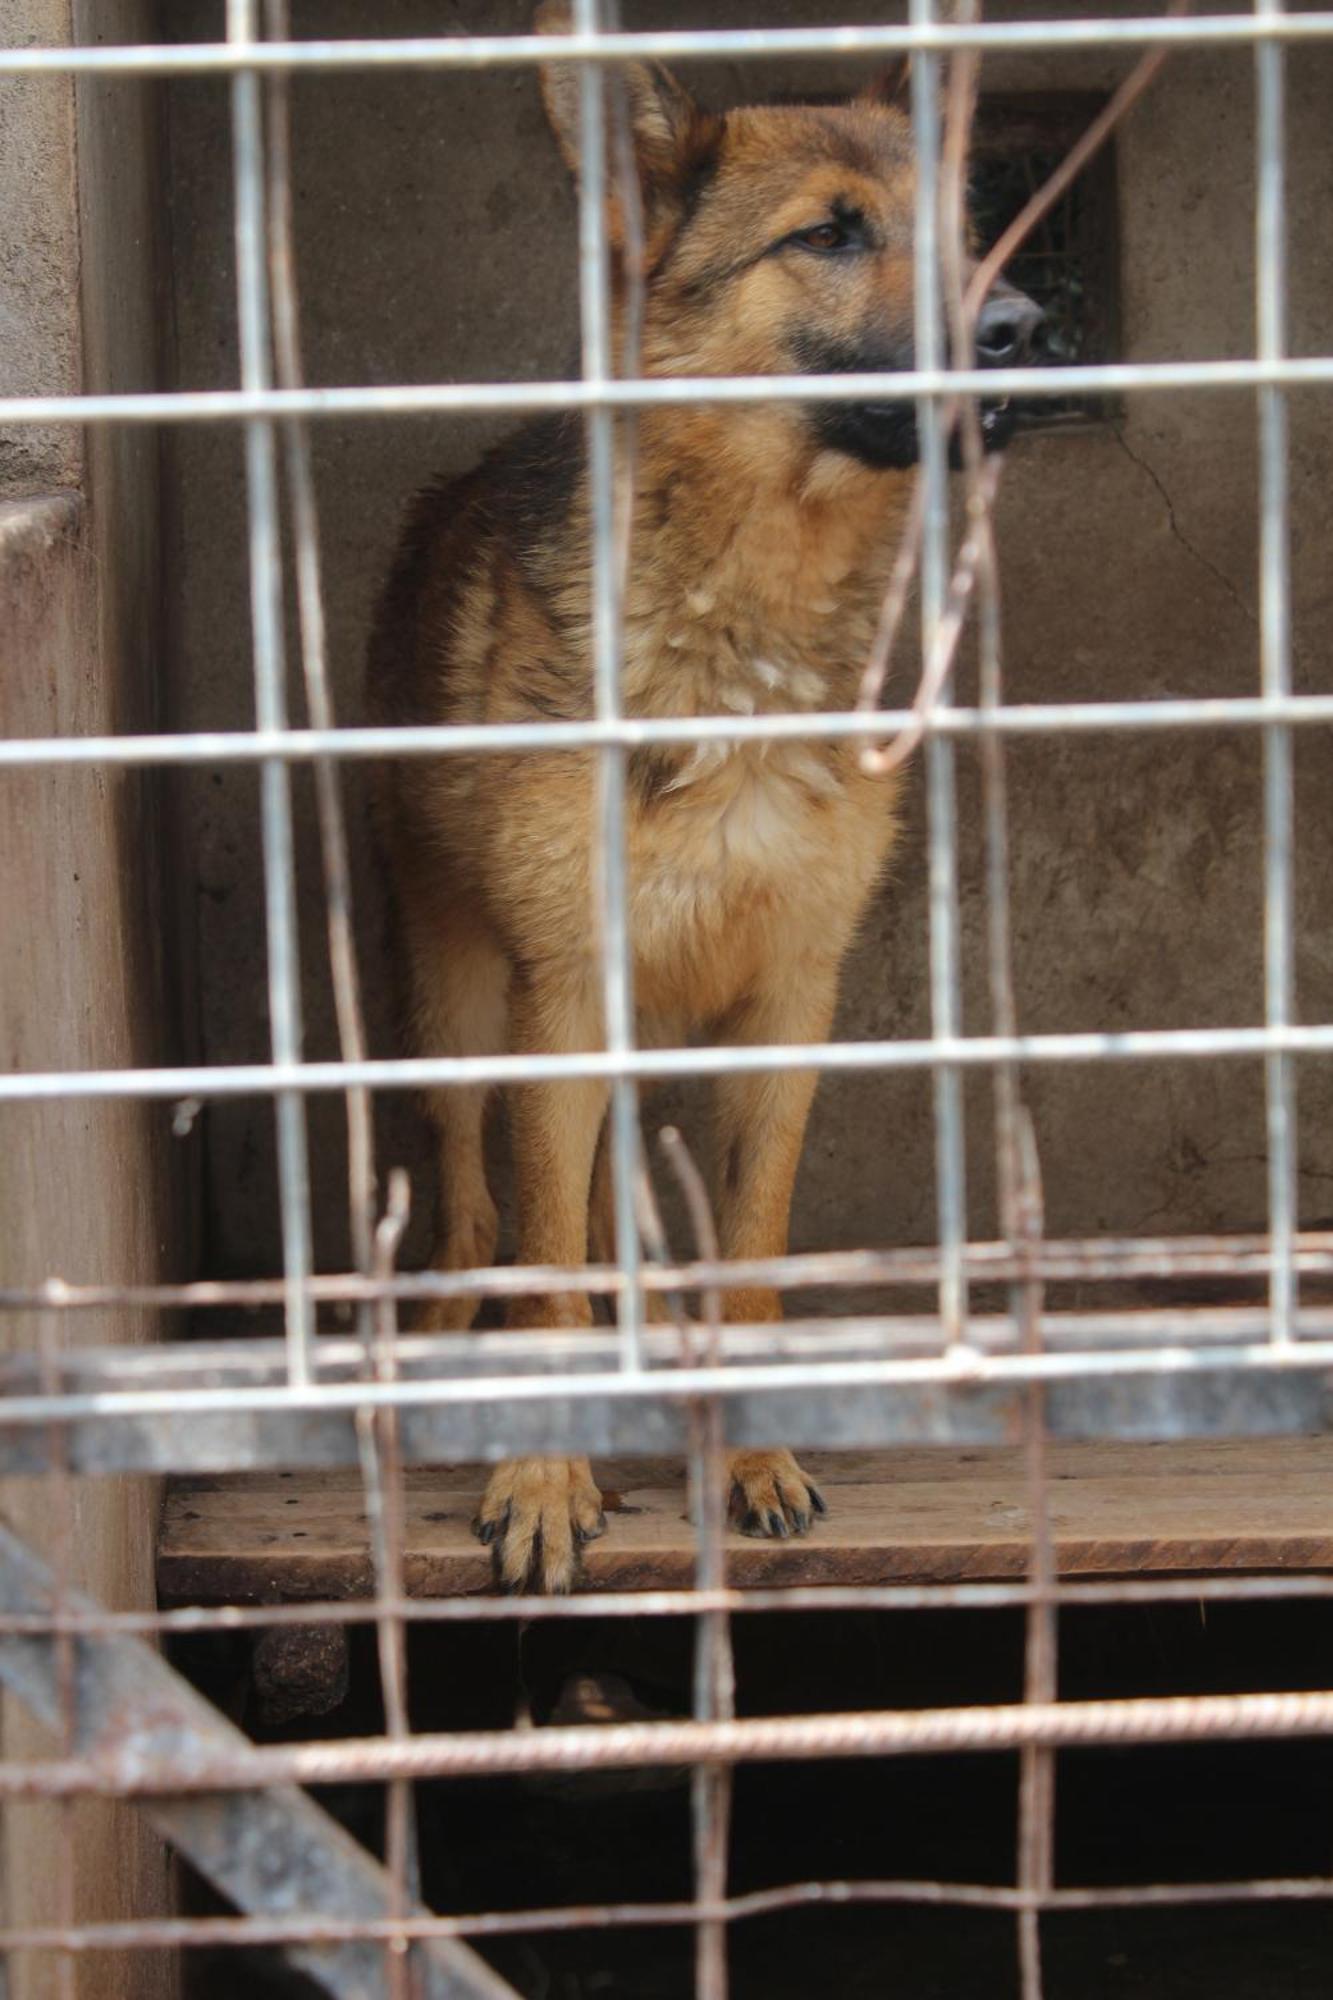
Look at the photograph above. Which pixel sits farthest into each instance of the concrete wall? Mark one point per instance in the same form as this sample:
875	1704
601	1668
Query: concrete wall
436	242
40	336
86	1191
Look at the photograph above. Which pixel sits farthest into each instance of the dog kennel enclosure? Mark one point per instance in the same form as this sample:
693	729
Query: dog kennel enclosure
1063	1184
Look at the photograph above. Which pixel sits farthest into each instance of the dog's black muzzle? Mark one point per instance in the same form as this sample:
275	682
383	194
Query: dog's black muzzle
885	434
1008	330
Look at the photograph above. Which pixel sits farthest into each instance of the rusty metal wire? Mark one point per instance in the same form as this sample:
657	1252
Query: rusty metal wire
1090	1260
384	1378
61	1502
172	1933
346	981
382	1472
820	1598
714	1665
1018	1170
139	1771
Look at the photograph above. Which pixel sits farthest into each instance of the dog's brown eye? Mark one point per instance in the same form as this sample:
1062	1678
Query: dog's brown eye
824	236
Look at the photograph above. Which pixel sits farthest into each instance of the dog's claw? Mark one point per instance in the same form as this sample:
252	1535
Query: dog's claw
771	1496
535	1516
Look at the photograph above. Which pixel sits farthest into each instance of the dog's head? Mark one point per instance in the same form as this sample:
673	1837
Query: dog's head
778	239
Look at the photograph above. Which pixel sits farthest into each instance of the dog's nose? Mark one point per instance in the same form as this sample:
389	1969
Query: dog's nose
1006	329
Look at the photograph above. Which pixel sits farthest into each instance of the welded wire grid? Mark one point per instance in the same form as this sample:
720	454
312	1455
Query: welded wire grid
390	1397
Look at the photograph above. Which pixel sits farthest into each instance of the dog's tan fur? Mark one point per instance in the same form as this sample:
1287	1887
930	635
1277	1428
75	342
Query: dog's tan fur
760	557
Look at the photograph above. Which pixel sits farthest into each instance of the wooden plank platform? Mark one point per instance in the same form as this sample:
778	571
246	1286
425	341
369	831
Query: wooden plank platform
922	1515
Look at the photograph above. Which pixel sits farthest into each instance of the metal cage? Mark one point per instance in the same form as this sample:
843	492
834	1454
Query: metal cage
380	1400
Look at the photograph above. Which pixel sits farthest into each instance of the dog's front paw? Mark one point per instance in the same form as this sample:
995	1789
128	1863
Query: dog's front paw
535	1516
770	1495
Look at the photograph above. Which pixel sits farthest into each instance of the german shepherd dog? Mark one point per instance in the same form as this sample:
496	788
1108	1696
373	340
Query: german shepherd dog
774	240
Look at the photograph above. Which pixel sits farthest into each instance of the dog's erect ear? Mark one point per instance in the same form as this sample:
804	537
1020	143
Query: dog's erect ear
893	86
672	135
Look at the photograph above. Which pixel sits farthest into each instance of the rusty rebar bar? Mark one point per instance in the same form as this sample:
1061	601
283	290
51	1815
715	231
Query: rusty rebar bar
1089	1260
137	1771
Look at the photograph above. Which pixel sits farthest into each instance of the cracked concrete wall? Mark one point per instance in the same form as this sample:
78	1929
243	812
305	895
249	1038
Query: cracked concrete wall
87	1191
40	335
436	242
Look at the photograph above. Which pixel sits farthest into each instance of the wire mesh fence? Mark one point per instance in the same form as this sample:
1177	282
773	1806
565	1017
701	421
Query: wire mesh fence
672	1375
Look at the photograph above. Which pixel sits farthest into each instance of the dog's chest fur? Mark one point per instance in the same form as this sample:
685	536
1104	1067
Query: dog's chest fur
736	850
724	836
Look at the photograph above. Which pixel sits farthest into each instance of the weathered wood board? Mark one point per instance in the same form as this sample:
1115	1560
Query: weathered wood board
922	1515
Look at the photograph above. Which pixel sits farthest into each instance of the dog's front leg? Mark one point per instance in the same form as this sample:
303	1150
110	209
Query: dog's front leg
537	1513
761	1123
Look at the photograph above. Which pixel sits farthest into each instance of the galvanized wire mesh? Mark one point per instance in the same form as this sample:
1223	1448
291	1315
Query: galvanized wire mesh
385	1399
